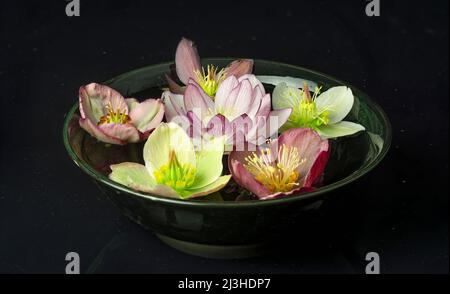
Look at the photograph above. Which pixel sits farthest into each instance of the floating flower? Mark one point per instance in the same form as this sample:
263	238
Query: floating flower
288	165
241	111
188	69
323	113
172	167
110	118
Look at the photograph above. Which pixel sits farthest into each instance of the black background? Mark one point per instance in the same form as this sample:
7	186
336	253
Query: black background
48	207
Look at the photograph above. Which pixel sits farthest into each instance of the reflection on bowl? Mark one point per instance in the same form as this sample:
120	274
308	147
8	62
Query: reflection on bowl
231	223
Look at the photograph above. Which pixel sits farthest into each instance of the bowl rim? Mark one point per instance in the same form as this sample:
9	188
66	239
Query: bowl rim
245	203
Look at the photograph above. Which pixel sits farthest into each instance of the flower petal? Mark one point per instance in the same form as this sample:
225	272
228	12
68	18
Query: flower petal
165	138
296	83
173	86
253	81
286	97
107	95
147	115
218	126
195	127
224	91
187	60
131	103
95	132
209	162
311	148
264	108
242	176
124	132
240	67
174	105
338	101
196	99
208	189
340	129
91	107
276	119
136	177
284	194
132	175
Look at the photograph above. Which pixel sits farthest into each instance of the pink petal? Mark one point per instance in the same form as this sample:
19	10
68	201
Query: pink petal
187	60
98	133
312	148
240	127
265	107
124	132
218	126
173	86
256	84
240	67
196	127
131	103
108	96
255	103
174	105
196	99
244	97
147	115
284	194
243	177
224	91
85	105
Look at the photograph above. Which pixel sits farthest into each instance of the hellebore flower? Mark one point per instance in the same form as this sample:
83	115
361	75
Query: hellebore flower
110	118
290	164
188	69
172	167
241	111
321	112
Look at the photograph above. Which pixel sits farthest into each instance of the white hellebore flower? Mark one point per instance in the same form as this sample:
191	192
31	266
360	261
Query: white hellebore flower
323	112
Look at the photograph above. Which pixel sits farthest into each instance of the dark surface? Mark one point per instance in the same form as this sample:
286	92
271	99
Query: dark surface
48	207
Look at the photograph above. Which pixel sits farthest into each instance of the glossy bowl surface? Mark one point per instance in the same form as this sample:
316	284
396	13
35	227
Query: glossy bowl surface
219	226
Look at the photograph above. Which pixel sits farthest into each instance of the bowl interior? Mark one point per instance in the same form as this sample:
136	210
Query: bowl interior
351	156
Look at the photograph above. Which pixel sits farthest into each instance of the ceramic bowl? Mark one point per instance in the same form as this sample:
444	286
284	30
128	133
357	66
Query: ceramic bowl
217	226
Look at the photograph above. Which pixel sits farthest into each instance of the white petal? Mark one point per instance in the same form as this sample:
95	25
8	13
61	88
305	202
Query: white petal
290	82
285	97
338	101
165	138
340	129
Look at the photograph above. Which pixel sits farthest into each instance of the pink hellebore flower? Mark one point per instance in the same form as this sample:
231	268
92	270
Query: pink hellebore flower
241	111
290	164
188	68
110	118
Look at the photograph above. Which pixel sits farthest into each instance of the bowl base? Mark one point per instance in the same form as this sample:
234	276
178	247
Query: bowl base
216	251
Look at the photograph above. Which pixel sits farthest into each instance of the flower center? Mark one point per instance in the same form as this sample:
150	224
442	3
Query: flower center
305	113
278	176
210	80
117	116
175	175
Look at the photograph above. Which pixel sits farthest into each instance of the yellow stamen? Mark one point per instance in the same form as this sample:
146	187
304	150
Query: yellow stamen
277	176
210	80
175	175
117	116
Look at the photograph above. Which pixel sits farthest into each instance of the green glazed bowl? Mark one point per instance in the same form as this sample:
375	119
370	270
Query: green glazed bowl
220	226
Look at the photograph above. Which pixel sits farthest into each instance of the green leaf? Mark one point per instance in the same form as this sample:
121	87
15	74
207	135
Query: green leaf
340	129
337	101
